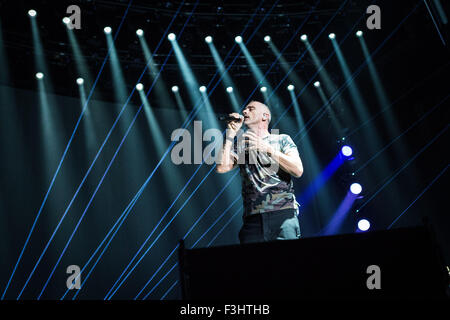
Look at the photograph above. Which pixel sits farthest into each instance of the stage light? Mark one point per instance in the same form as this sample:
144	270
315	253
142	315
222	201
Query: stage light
290	87
267	38
355	188
175	89
32	13
331	36
202	89
208	39
238	39
359	33
263	89
304	37
363	225
171	36
39	75
107	30
140	32
347	151
80	81
139	86
66	20
229	89
317	84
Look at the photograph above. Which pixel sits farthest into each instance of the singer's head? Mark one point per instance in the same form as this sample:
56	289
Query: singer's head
257	115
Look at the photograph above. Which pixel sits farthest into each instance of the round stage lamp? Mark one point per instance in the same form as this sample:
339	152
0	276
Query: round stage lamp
359	33
80	81
32	13
140	32
66	20
346	151
139	87
230	89
175	89
331	36
263	89
208	39
171	36
304	37
238	39
355	188
202	89
290	87
107	30
363	225
317	84
39	75
267	38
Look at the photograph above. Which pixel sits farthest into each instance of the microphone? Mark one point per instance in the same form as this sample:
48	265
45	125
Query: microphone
229	118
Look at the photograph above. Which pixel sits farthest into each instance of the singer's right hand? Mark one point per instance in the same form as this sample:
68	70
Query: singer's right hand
234	126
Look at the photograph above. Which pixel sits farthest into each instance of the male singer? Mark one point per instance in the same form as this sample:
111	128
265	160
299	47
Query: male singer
267	163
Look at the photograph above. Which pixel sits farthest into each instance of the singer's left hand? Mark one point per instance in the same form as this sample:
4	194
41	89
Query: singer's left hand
256	143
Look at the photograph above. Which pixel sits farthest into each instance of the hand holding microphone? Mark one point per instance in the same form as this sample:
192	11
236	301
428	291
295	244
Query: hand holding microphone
235	121
231	117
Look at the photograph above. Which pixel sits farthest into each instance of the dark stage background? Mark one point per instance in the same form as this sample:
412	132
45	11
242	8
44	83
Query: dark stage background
411	60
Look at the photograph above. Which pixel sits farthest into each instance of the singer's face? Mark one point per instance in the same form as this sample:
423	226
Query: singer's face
252	113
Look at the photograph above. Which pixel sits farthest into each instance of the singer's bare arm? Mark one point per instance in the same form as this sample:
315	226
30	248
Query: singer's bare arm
227	161
289	162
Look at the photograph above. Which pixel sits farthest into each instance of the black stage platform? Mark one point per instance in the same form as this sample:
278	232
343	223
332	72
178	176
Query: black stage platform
324	267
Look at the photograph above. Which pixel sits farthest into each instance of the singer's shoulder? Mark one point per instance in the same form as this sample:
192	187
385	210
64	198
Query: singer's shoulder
282	139
279	136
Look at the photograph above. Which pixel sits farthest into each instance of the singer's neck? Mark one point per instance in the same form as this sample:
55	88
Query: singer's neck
259	129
